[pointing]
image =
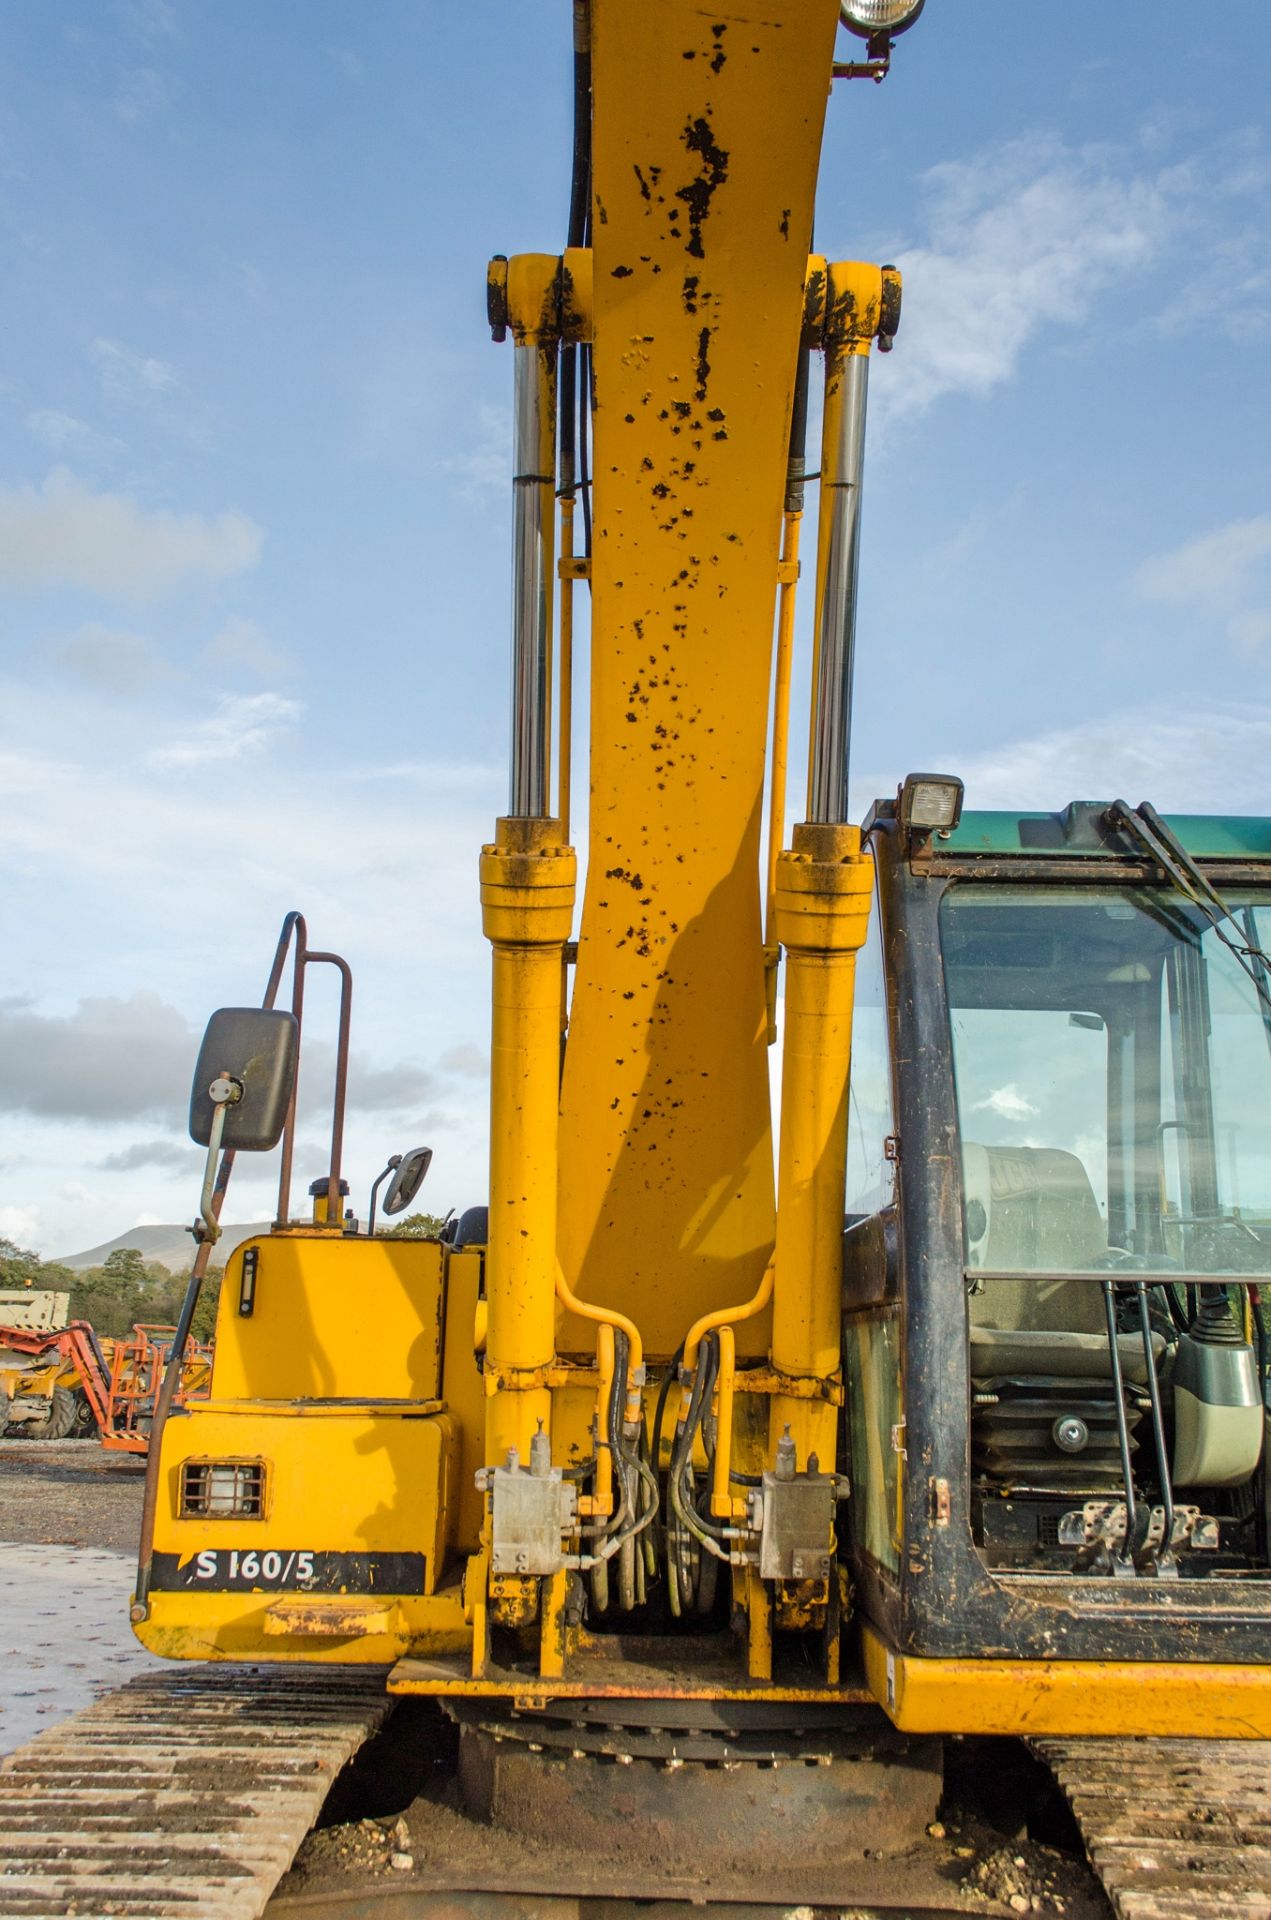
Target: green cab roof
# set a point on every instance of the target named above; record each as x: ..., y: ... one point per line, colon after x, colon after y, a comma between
x: 1079, y: 830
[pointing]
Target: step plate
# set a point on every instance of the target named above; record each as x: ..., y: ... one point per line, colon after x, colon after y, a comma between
x: 185, y: 1792
x: 628, y: 1667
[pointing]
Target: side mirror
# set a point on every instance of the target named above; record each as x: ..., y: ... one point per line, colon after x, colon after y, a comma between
x: 408, y: 1177
x: 257, y: 1047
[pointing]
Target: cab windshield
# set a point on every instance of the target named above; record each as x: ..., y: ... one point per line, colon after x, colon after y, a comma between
x: 1112, y: 1061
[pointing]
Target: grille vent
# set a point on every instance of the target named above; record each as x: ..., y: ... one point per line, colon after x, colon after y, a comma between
x: 223, y: 1490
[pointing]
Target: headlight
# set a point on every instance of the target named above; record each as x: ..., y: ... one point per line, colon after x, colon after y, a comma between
x: 868, y: 17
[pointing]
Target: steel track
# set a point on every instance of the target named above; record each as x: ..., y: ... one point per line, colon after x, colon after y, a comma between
x: 1173, y: 1828
x: 183, y: 1793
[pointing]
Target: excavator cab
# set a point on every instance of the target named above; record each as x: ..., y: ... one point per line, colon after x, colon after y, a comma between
x: 1059, y: 1219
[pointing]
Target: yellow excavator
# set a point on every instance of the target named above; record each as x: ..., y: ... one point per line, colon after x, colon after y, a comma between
x: 935, y: 1406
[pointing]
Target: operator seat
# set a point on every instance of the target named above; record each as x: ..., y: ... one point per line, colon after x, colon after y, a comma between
x: 1033, y: 1210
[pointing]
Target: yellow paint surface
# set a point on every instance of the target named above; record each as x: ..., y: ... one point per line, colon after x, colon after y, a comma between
x: 1034, y: 1697
x: 703, y: 190
x: 360, y: 1480
x: 334, y: 1318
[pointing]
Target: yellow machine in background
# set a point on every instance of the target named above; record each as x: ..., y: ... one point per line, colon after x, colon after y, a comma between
x: 634, y: 1429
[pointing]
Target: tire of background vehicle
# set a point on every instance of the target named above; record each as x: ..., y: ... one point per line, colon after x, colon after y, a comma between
x: 62, y: 1419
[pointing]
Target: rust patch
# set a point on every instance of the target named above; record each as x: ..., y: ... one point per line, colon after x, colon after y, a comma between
x: 813, y: 306
x: 702, y: 365
x: 699, y: 138
x: 840, y: 316
x: 569, y: 318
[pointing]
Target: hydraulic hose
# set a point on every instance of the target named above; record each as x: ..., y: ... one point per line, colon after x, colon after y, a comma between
x: 682, y: 1462
x: 608, y: 1316
x: 626, y: 1523
x: 613, y: 1440
x: 725, y: 1316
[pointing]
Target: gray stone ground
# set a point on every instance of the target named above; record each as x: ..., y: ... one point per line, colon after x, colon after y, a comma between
x: 68, y: 1515
x: 64, y: 1634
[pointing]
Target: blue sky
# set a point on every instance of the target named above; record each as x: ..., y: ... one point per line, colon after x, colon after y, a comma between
x: 254, y: 518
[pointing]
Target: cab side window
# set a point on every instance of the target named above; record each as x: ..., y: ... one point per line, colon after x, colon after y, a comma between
x: 870, y: 1117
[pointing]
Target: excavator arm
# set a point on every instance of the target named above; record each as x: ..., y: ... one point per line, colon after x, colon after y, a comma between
x: 648, y: 1192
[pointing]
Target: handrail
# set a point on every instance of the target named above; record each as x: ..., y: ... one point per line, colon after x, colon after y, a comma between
x: 294, y: 928
x: 1122, y: 1276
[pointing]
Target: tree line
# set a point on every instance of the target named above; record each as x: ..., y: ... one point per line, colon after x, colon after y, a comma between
x: 127, y: 1288
x: 124, y: 1289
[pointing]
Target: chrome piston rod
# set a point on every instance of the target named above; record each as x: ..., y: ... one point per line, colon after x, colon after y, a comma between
x: 837, y: 565
x: 533, y: 559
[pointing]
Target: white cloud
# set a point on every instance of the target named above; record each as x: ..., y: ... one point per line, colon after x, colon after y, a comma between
x: 1242, y: 314
x: 484, y: 472
x: 277, y: 828
x: 65, y: 534
x: 1222, y: 571
x: 1188, y: 759
x: 243, y: 645
x: 178, y: 883
x: 1223, y: 285
x: 1025, y: 236
x: 20, y: 1224
x: 469, y: 1061
x: 112, y: 1058
x: 109, y: 658
x: 1250, y: 631
x: 66, y: 433
x: 143, y: 92
x: 1217, y: 566
x: 240, y: 724
x: 148, y: 19
x: 126, y: 375
x: 169, y: 1156
x: 120, y: 1058
x: 349, y: 63
x: 1007, y: 1102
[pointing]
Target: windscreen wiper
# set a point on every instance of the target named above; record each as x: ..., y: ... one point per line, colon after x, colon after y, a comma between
x: 1144, y: 824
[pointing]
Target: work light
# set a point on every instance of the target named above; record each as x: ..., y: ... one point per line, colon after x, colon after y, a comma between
x: 930, y: 803
x: 870, y: 17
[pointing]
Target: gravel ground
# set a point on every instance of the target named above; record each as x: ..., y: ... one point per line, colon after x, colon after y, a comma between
x: 1003, y: 1844
x: 71, y: 1493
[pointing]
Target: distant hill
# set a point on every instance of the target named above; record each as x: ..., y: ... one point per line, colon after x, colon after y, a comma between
x: 172, y: 1247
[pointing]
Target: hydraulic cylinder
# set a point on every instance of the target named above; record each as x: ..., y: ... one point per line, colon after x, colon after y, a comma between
x: 528, y: 881
x: 822, y: 913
